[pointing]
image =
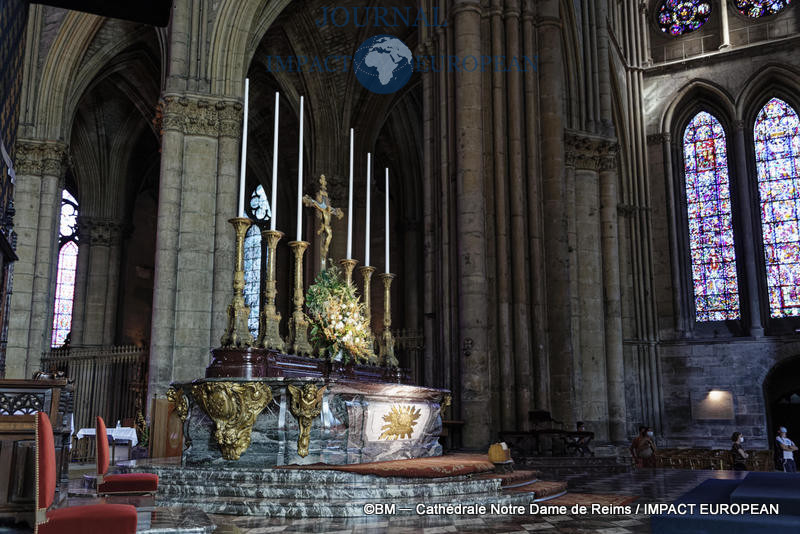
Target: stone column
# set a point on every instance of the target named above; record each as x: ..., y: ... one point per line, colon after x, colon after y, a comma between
x: 615, y: 362
x: 166, y: 256
x: 230, y: 138
x: 559, y: 314
x: 473, y: 291
x: 589, y: 273
x: 725, y: 32
x: 743, y: 185
x: 40, y: 176
x: 94, y: 313
x: 196, y: 168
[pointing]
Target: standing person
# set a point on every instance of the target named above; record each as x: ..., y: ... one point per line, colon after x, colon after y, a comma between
x: 643, y: 448
x: 738, y: 454
x: 787, y: 446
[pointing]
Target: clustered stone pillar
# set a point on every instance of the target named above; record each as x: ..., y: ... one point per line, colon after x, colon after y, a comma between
x: 41, y: 167
x: 192, y: 272
x: 94, y: 315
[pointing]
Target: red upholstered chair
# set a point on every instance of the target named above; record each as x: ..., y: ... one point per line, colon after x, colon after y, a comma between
x: 89, y: 519
x: 123, y: 483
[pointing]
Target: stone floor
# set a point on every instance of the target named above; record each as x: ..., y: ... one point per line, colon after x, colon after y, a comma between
x: 657, y: 485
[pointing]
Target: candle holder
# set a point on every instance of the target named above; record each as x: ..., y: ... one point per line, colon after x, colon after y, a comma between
x: 348, y: 265
x: 366, y: 273
x: 237, y: 333
x: 298, y: 326
x: 269, y: 336
x: 387, y: 356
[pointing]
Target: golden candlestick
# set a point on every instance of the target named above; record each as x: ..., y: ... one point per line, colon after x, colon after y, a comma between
x: 269, y: 320
x: 348, y: 266
x: 366, y: 274
x: 298, y: 326
x: 387, y: 356
x: 237, y: 333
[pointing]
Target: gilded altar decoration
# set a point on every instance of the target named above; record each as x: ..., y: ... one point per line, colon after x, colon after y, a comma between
x: 237, y: 333
x: 339, y: 322
x: 234, y: 407
x: 306, y: 404
x: 324, y: 212
x: 400, y: 422
x: 177, y: 397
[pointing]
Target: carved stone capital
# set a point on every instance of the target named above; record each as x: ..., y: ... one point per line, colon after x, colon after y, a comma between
x: 658, y: 138
x: 98, y: 231
x: 200, y: 116
x: 234, y: 407
x: 40, y: 158
x: 590, y: 152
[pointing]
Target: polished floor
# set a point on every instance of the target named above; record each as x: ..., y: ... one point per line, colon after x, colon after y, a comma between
x: 647, y: 486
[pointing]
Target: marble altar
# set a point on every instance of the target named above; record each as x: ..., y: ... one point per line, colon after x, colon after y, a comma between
x: 274, y: 421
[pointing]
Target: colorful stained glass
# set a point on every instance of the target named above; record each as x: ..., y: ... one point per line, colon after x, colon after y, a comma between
x: 761, y: 8
x: 67, y: 266
x: 777, y: 140
x: 678, y: 17
x: 65, y: 289
x: 708, y: 203
x: 252, y: 276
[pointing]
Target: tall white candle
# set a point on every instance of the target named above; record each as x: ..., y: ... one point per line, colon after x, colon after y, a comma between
x: 243, y: 168
x: 387, y: 221
x: 300, y: 179
x: 366, y: 229
x: 350, y: 204
x: 274, y: 202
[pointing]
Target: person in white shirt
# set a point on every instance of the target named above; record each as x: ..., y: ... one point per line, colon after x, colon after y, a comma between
x: 787, y: 446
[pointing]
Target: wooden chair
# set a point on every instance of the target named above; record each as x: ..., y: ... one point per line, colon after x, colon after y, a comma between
x: 88, y: 519
x: 127, y: 483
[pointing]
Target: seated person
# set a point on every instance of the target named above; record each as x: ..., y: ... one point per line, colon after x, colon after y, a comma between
x: 738, y: 454
x: 643, y: 448
x: 581, y: 443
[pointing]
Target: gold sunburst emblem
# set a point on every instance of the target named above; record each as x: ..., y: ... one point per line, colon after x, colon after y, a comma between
x: 400, y: 422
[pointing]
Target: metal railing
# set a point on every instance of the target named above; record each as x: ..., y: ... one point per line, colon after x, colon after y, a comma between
x: 109, y: 381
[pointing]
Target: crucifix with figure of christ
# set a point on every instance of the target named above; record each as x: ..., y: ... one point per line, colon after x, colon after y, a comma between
x: 324, y: 211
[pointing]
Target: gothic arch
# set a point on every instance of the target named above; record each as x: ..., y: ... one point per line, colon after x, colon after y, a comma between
x: 770, y: 81
x: 691, y: 96
x: 67, y: 74
x: 234, y: 40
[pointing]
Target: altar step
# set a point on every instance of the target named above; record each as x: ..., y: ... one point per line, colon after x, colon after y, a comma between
x: 299, y: 493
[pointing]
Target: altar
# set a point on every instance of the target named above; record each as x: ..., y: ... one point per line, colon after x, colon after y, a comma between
x: 276, y: 421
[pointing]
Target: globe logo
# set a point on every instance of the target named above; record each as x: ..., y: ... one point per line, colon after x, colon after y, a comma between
x: 383, y: 64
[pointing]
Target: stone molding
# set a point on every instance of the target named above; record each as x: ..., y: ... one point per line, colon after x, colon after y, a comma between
x: 40, y: 158
x: 588, y: 152
x: 99, y: 231
x: 200, y: 116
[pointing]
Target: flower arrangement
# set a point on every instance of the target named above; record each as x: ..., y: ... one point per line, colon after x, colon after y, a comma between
x: 338, y: 318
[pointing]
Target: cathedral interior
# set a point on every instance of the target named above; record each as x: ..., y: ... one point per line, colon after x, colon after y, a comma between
x: 591, y: 208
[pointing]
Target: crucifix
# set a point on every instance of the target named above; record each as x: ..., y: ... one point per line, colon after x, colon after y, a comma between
x: 324, y: 211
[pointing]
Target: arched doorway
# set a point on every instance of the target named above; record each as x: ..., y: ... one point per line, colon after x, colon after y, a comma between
x: 782, y: 397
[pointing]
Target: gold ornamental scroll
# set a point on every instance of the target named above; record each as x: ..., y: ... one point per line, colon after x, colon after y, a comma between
x: 306, y: 404
x: 234, y: 407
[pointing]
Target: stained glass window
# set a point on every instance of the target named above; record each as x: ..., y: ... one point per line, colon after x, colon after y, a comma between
x: 677, y: 17
x: 777, y: 148
x: 67, y: 265
x: 252, y: 276
x: 708, y: 202
x: 761, y: 8
x: 260, y: 211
